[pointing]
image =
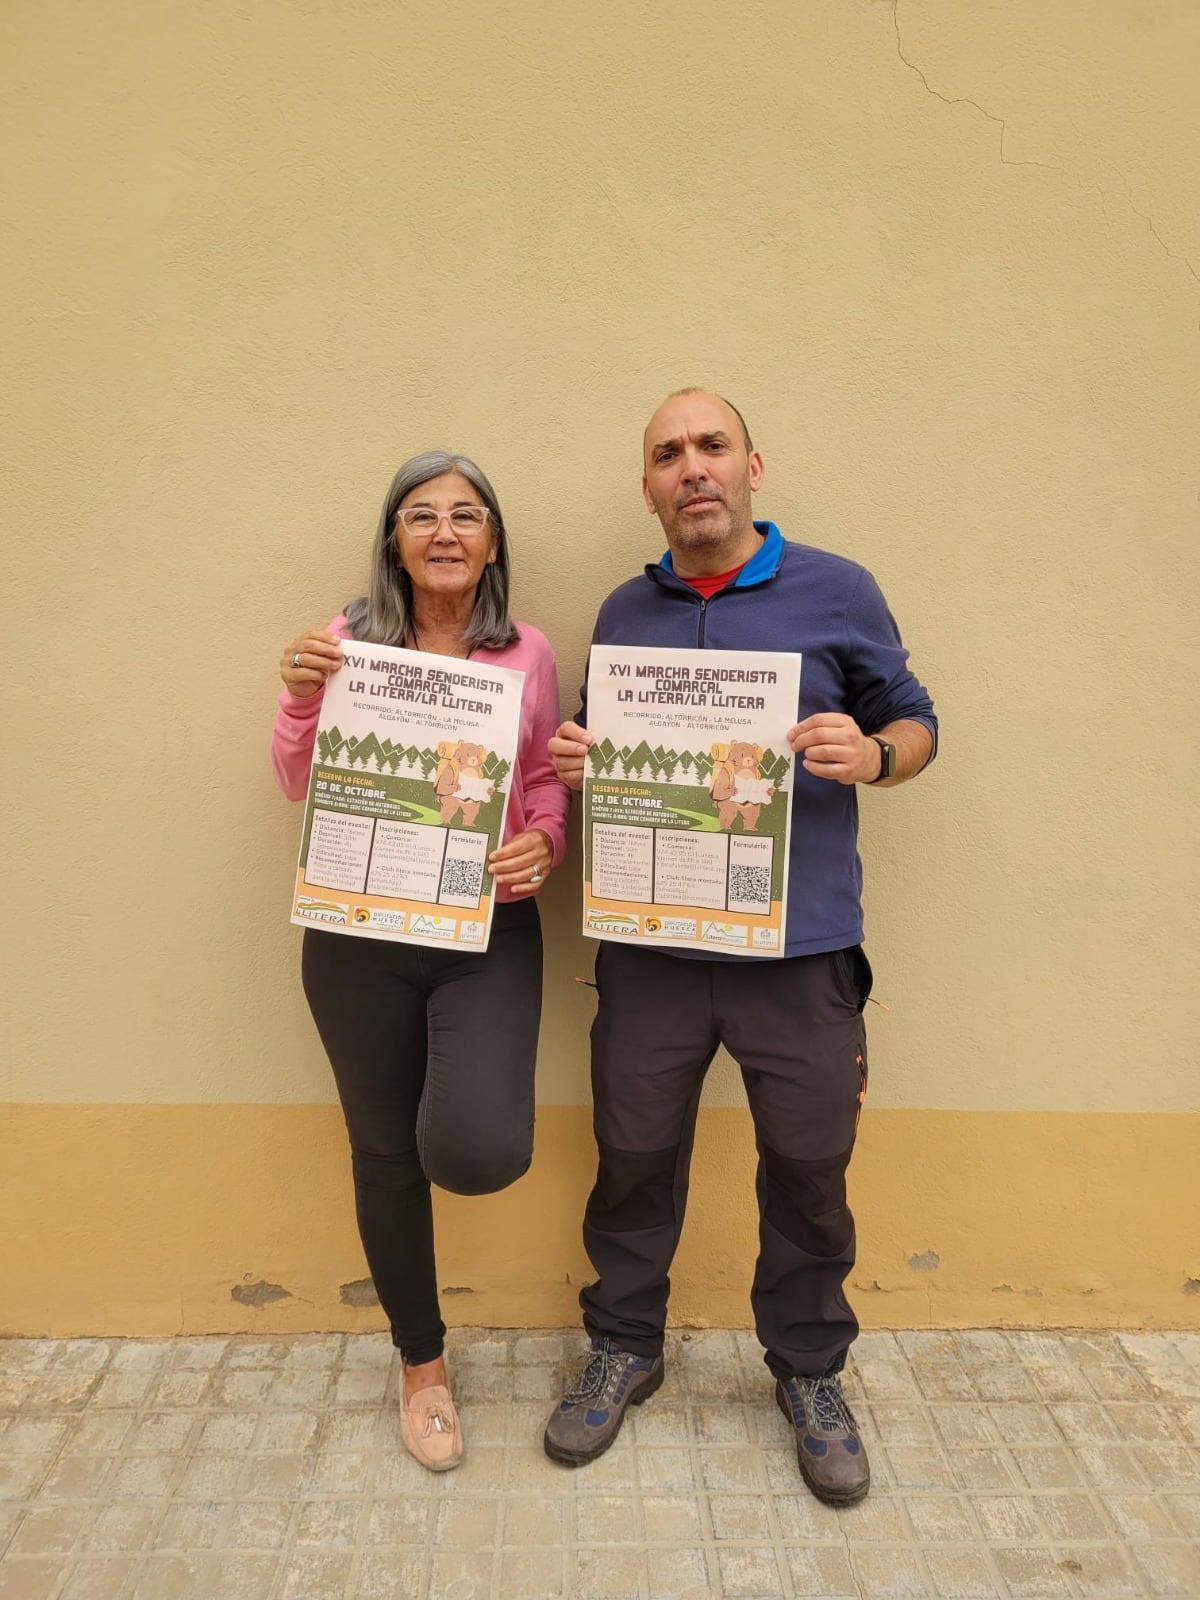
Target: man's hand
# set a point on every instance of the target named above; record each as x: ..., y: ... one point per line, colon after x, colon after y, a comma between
x: 834, y: 746
x: 568, y: 751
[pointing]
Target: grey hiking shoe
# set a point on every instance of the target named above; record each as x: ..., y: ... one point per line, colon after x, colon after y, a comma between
x: 593, y: 1408
x: 832, y: 1457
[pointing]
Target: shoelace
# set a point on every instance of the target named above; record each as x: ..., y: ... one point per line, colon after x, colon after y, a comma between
x: 829, y: 1403
x: 603, y: 1367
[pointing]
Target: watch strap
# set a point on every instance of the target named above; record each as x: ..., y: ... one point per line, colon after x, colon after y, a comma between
x: 887, y: 758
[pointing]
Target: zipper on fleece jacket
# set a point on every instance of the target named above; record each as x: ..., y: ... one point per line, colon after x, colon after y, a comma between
x: 760, y: 569
x: 704, y: 605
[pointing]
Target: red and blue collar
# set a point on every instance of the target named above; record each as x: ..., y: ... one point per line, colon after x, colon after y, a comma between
x: 763, y: 564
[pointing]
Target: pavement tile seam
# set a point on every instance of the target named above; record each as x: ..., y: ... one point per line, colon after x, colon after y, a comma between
x: 125, y: 1436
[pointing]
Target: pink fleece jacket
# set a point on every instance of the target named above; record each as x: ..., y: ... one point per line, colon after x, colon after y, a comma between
x: 537, y: 799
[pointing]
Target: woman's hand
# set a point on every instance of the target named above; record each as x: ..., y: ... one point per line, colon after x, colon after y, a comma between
x: 308, y: 661
x: 524, y: 863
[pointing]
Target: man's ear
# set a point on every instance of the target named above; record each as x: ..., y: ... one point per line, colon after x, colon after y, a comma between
x: 757, y: 469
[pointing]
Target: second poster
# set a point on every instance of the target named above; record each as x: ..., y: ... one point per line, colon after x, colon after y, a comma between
x: 687, y: 797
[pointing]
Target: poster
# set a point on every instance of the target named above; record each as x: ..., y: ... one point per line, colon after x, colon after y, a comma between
x: 407, y: 798
x: 687, y: 797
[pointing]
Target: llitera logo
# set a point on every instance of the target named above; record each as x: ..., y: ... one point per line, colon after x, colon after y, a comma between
x: 611, y: 922
x: 322, y: 910
x: 725, y: 933
x: 435, y: 927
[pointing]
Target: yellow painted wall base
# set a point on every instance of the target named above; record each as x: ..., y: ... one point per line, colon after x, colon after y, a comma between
x: 121, y: 1219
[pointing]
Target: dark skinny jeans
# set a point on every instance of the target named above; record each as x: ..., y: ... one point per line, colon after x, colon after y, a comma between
x: 433, y: 1052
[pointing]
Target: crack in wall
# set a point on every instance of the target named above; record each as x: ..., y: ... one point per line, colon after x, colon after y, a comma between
x: 1149, y: 221
x: 1063, y: 175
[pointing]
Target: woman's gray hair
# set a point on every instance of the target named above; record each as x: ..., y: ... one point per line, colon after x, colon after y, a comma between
x: 384, y: 614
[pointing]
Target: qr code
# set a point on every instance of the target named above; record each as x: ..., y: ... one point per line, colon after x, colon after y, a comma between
x: 461, y: 879
x: 749, y: 886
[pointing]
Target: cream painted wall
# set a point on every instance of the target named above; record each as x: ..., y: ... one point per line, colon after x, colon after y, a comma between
x: 945, y: 256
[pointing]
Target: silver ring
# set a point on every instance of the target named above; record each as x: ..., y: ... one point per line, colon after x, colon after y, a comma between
x: 536, y: 875
x: 296, y: 659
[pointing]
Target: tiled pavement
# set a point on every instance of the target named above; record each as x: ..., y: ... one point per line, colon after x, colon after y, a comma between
x: 1005, y: 1464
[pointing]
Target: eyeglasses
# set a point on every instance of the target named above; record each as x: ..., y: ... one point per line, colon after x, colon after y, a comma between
x: 424, y: 521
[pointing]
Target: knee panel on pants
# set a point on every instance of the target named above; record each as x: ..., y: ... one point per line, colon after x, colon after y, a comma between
x: 806, y: 1201
x: 634, y: 1189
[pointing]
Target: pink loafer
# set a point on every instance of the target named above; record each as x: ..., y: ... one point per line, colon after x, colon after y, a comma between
x: 430, y: 1428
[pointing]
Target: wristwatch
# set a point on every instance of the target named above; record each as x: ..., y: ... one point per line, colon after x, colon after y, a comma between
x: 887, y: 763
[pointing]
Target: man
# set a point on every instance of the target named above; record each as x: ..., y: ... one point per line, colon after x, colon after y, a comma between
x: 794, y: 1024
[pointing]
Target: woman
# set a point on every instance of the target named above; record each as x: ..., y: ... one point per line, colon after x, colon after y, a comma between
x: 433, y: 1050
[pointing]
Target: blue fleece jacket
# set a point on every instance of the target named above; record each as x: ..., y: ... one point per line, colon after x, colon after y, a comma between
x: 793, y: 597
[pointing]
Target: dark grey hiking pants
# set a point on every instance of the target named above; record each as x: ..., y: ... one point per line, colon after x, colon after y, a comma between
x: 795, y: 1027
